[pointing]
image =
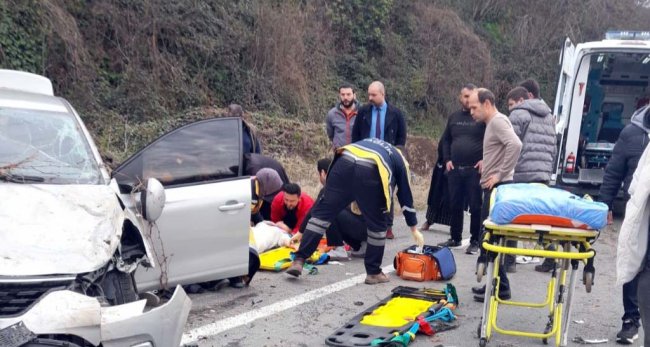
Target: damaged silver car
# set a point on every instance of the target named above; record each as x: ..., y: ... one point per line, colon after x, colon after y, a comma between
x: 71, y: 237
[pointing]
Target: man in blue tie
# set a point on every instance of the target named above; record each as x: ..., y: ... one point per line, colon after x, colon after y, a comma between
x: 381, y: 120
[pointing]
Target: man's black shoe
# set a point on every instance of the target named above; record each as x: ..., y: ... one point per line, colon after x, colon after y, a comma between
x: 546, y: 266
x: 504, y: 294
x: 451, y: 243
x: 478, y: 290
x: 629, y: 332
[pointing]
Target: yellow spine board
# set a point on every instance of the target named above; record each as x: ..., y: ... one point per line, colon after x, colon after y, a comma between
x: 397, y: 312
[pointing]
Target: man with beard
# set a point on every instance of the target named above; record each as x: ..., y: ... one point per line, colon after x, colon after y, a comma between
x: 381, y: 120
x: 340, y: 119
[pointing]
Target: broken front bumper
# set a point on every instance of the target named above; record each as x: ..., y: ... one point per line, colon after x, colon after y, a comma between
x: 65, y: 312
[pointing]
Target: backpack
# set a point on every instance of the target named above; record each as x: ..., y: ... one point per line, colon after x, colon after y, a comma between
x: 433, y: 264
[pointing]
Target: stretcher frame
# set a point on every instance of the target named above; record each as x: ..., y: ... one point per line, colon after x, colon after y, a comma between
x: 573, y: 246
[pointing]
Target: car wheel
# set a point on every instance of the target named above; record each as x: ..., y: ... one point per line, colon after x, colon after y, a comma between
x: 119, y: 288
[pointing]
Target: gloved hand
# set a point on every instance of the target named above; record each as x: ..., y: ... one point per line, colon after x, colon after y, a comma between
x: 418, y: 237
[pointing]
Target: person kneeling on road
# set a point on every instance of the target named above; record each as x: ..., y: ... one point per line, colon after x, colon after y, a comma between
x: 366, y: 171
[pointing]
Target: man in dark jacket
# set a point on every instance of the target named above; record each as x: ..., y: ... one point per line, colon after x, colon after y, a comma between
x: 367, y: 172
x: 621, y: 166
x: 378, y: 119
x: 462, y: 151
x: 383, y: 121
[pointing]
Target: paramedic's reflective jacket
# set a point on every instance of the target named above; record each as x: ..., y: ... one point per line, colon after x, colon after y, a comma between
x: 393, y: 170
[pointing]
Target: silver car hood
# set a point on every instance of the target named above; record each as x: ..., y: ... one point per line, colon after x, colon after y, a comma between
x: 57, y: 229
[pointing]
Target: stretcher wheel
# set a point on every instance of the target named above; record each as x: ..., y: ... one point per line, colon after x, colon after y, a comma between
x: 480, y: 271
x: 482, y: 342
x: 549, y: 327
x: 588, y: 279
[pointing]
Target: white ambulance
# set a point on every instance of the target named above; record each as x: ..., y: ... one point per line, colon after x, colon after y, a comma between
x: 600, y: 86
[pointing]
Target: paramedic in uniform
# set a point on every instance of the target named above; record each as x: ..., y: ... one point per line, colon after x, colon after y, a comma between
x: 501, y: 148
x: 366, y: 171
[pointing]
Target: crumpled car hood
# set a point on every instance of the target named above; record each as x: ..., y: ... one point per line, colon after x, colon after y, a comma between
x: 57, y: 229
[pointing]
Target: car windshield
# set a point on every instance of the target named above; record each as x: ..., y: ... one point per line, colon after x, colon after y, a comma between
x: 45, y: 147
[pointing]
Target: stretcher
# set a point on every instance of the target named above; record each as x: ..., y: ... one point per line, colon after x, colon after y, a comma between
x: 572, y: 245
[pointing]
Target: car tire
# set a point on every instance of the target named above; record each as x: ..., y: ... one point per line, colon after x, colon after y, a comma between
x: 50, y: 343
x: 119, y: 288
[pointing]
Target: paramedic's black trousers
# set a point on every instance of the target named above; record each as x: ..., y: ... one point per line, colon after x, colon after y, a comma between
x: 348, y: 181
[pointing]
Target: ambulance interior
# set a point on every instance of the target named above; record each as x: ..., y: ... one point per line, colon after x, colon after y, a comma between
x: 617, y: 85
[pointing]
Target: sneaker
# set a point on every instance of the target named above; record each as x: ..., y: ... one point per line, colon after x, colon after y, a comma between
x: 472, y: 248
x: 389, y: 234
x: 546, y: 266
x: 295, y: 269
x: 338, y: 253
x: 504, y: 294
x: 629, y: 332
x: 361, y: 252
x: 376, y: 279
x: 451, y: 243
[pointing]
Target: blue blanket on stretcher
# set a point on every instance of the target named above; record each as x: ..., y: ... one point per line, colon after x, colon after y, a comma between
x: 545, y: 205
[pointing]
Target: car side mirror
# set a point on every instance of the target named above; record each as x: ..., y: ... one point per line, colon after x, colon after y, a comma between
x: 152, y: 200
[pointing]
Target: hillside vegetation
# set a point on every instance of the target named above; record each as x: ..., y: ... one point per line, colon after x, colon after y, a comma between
x: 136, y: 69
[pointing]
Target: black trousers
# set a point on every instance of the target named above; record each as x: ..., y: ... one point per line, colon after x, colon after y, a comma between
x: 630, y: 300
x: 485, y: 213
x: 464, y: 185
x: 348, y: 181
x: 347, y: 227
x: 643, y: 279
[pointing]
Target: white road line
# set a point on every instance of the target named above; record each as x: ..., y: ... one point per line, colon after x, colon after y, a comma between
x: 250, y: 316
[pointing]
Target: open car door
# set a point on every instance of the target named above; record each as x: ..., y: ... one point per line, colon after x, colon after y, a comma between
x: 563, y: 96
x: 202, y: 234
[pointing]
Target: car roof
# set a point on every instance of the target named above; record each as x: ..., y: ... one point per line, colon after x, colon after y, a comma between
x: 32, y: 101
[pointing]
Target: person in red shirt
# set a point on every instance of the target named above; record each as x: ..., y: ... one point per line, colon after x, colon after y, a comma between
x: 290, y: 207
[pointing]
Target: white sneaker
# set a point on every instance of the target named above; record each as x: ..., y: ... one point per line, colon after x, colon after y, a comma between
x: 338, y: 253
x: 361, y: 252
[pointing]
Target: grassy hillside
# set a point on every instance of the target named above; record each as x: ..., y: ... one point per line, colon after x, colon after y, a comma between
x: 135, y: 69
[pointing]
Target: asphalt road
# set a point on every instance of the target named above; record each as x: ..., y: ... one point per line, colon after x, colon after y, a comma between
x: 278, y: 311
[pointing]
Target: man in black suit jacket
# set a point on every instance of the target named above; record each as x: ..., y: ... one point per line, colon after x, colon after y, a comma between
x: 392, y: 125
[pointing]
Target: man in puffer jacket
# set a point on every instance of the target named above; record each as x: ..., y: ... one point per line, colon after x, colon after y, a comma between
x: 628, y: 149
x: 534, y: 124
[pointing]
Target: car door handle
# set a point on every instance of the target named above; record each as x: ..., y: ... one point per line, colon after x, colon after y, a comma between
x: 232, y: 207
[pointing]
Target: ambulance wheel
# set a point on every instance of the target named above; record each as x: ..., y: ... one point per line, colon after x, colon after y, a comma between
x: 482, y: 342
x: 588, y: 278
x: 480, y: 271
